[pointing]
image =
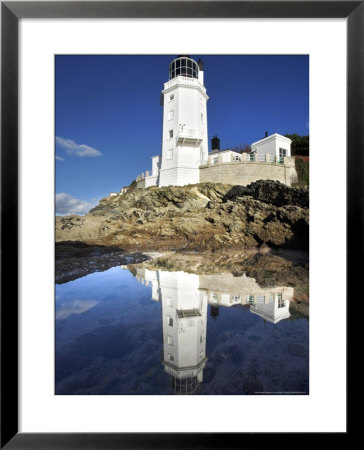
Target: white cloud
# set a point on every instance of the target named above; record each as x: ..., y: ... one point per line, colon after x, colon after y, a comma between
x: 74, y: 149
x: 66, y: 204
x: 74, y: 307
x: 58, y: 158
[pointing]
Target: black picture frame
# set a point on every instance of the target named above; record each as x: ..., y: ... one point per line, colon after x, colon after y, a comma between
x: 11, y: 12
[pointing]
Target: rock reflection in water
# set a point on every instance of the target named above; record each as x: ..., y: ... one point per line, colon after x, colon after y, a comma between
x: 218, y: 324
x: 184, y: 298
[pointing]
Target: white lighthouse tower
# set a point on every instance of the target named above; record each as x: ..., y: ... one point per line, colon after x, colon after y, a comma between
x: 184, y: 138
x: 184, y: 319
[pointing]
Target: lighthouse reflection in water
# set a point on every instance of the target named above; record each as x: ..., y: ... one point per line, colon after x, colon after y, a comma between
x: 184, y: 298
x: 146, y: 329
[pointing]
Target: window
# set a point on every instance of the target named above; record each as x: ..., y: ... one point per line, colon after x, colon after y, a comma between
x: 250, y: 298
x: 216, y: 160
x: 170, y: 115
x: 282, y: 152
x: 170, y: 153
x: 185, y: 67
x: 281, y: 302
x: 236, y: 298
x: 237, y: 158
x: 170, y: 357
x: 171, y: 97
x: 170, y: 134
x: 170, y: 340
x: 170, y: 321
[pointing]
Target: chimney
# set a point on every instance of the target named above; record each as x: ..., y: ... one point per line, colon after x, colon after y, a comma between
x: 266, y: 134
x: 215, y: 143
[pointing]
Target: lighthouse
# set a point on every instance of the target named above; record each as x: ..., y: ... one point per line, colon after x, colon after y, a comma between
x: 184, y: 133
x: 184, y: 159
x: 184, y: 319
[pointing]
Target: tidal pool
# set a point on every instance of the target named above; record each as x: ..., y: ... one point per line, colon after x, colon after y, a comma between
x: 143, y: 329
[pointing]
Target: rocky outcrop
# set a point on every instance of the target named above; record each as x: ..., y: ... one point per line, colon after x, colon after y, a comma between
x: 205, y: 216
x: 269, y: 191
x: 76, y: 259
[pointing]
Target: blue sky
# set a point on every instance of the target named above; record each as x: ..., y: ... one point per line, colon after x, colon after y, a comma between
x: 109, y: 118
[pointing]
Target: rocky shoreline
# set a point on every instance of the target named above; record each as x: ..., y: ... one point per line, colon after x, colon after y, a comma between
x: 76, y: 259
x: 268, y: 267
x: 206, y: 216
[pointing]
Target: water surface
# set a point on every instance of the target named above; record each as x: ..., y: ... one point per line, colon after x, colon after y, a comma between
x: 146, y: 330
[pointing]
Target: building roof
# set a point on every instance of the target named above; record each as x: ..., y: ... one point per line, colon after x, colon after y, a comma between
x: 222, y: 151
x: 272, y: 136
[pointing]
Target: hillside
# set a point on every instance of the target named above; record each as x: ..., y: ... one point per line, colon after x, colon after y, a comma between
x: 205, y: 216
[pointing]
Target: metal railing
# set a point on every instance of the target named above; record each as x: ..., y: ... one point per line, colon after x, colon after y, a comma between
x: 181, y: 80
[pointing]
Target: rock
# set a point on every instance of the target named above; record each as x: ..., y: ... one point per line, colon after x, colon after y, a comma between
x: 269, y: 191
x: 77, y: 259
x: 237, y: 191
x: 195, y: 217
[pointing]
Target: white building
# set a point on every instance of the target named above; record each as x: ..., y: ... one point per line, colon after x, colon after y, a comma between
x: 273, y: 308
x: 276, y: 145
x: 223, y: 156
x: 184, y: 318
x: 184, y: 135
x: 185, y: 158
x: 185, y: 297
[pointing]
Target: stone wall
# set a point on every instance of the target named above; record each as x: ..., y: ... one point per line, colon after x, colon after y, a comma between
x: 140, y: 184
x: 235, y: 172
x: 243, y: 173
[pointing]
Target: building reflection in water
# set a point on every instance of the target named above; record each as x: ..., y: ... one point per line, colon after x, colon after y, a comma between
x: 184, y: 298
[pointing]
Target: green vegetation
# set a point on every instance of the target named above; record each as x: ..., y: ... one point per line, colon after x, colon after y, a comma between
x: 300, y: 144
x: 302, y: 168
x: 132, y: 185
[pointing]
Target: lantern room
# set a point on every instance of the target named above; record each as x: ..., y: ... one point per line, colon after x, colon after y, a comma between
x: 184, y: 66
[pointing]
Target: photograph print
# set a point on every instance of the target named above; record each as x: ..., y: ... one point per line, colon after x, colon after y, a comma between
x: 182, y: 224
